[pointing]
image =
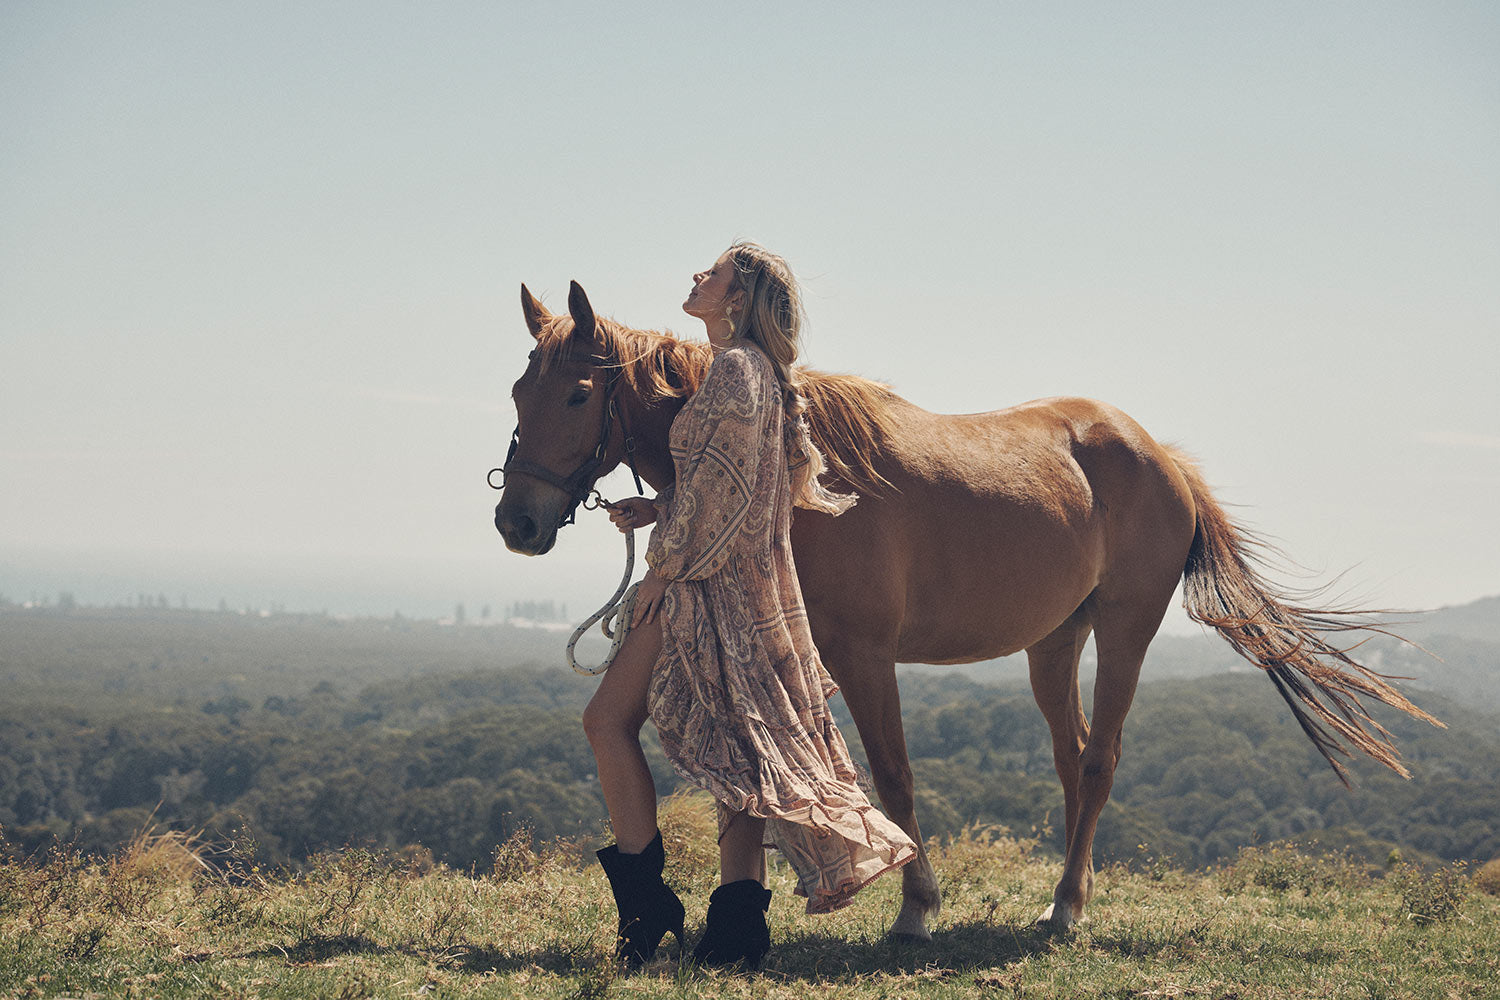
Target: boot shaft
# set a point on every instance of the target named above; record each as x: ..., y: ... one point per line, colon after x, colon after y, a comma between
x: 736, y: 932
x: 633, y: 876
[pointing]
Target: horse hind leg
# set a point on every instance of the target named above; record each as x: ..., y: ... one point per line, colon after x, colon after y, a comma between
x: 1054, y: 683
x: 1122, y: 635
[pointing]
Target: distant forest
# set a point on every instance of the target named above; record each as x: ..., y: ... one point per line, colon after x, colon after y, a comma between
x: 301, y: 734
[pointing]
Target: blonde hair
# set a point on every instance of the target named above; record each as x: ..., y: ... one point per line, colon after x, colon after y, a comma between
x: 772, y: 319
x: 773, y: 314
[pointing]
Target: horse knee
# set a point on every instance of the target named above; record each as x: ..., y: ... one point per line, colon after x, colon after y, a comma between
x: 1097, y: 763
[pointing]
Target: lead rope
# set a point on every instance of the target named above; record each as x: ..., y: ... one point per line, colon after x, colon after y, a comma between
x: 614, y: 616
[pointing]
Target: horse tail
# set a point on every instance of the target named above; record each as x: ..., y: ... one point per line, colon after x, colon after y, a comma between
x: 1294, y: 644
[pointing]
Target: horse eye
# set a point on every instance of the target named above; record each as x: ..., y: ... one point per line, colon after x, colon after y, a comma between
x: 578, y: 399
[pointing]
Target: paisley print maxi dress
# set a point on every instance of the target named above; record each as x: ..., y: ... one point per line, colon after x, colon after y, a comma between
x: 739, y: 695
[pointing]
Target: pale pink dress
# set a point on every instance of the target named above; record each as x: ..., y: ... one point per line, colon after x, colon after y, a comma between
x: 740, y: 696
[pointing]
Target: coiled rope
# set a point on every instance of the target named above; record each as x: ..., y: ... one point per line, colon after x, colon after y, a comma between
x: 614, y: 616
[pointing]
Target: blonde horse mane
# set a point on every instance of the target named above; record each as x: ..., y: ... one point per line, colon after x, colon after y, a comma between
x: 849, y: 416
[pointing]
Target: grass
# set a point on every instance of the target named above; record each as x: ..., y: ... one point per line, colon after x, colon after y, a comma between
x: 156, y: 921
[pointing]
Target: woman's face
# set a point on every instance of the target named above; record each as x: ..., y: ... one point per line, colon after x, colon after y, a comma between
x: 714, y: 291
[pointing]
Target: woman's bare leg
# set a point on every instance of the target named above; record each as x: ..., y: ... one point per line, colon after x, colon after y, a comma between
x: 742, y: 854
x: 613, y: 721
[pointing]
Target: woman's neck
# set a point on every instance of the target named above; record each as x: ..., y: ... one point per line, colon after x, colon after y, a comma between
x: 720, y: 334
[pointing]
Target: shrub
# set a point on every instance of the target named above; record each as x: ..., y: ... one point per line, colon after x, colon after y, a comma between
x: 1432, y: 897
x: 1284, y: 868
x: 516, y: 859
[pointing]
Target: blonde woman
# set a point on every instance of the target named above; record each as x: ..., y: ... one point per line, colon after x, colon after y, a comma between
x: 719, y: 654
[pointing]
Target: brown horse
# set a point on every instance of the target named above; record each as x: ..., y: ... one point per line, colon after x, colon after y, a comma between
x: 976, y: 536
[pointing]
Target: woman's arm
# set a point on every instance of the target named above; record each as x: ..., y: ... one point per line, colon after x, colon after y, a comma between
x: 712, y: 493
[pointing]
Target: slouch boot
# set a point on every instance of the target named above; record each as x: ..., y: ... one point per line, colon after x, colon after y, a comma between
x: 648, y: 908
x: 736, y: 930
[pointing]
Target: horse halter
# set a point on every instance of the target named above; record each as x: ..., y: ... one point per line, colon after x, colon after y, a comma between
x: 579, y: 485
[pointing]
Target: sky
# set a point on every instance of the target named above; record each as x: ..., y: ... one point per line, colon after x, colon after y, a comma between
x: 259, y: 263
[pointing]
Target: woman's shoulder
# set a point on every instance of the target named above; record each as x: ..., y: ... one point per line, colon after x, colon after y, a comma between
x: 744, y: 361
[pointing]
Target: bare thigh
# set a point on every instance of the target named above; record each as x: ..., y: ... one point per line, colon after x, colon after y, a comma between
x: 620, y: 700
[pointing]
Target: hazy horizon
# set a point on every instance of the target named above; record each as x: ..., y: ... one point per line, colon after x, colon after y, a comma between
x: 378, y: 589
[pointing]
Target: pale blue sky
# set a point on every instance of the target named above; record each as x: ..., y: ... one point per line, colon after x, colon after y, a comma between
x: 259, y: 262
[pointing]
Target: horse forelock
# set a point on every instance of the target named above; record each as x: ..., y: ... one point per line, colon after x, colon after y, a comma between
x: 848, y: 416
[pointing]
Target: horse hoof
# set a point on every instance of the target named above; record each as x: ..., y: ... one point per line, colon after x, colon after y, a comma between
x: 1056, y: 919
x: 911, y: 925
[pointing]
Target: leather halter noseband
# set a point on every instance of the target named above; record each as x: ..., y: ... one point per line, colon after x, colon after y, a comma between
x: 580, y: 483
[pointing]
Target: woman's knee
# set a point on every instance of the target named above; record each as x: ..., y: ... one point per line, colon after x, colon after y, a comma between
x: 605, y: 723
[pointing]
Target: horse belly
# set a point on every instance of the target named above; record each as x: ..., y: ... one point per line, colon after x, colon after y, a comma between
x: 1005, y: 562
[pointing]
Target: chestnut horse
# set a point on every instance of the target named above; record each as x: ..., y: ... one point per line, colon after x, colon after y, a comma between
x: 975, y: 536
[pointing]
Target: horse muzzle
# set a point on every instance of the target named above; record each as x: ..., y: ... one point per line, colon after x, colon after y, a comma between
x: 525, y: 529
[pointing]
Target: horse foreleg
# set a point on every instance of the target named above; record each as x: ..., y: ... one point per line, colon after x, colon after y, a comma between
x: 1122, y: 645
x: 1054, y: 684
x: 868, y: 680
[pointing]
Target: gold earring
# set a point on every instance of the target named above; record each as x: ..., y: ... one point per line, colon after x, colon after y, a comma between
x: 729, y: 318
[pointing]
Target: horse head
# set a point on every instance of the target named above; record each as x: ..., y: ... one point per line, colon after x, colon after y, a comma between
x: 564, y: 425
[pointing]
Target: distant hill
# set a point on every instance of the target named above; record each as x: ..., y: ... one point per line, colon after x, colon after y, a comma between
x: 1457, y: 655
x: 167, y: 653
x: 1476, y: 620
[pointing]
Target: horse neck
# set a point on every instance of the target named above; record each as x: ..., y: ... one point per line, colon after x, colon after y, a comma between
x: 650, y: 420
x: 650, y: 423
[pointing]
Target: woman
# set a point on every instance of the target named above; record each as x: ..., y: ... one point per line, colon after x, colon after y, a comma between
x: 719, y: 653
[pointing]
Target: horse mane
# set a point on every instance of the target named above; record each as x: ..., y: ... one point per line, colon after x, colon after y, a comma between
x: 849, y: 417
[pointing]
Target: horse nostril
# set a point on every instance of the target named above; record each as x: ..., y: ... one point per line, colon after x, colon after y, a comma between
x: 525, y: 528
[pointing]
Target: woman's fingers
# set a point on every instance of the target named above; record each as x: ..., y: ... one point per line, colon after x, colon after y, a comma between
x: 630, y: 513
x: 646, y: 608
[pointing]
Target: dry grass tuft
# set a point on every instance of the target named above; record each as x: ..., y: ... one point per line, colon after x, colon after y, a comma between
x: 690, y: 834
x: 1487, y: 878
x: 176, y: 855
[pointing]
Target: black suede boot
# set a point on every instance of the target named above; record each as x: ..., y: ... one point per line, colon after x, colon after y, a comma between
x: 736, y: 932
x: 648, y: 908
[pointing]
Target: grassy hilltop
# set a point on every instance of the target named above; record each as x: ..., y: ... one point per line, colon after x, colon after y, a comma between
x: 155, y: 921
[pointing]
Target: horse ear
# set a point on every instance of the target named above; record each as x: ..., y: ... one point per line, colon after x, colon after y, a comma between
x: 536, y: 314
x: 582, y: 313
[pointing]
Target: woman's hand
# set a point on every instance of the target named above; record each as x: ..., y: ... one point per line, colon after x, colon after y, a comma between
x: 648, y: 598
x: 632, y: 513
